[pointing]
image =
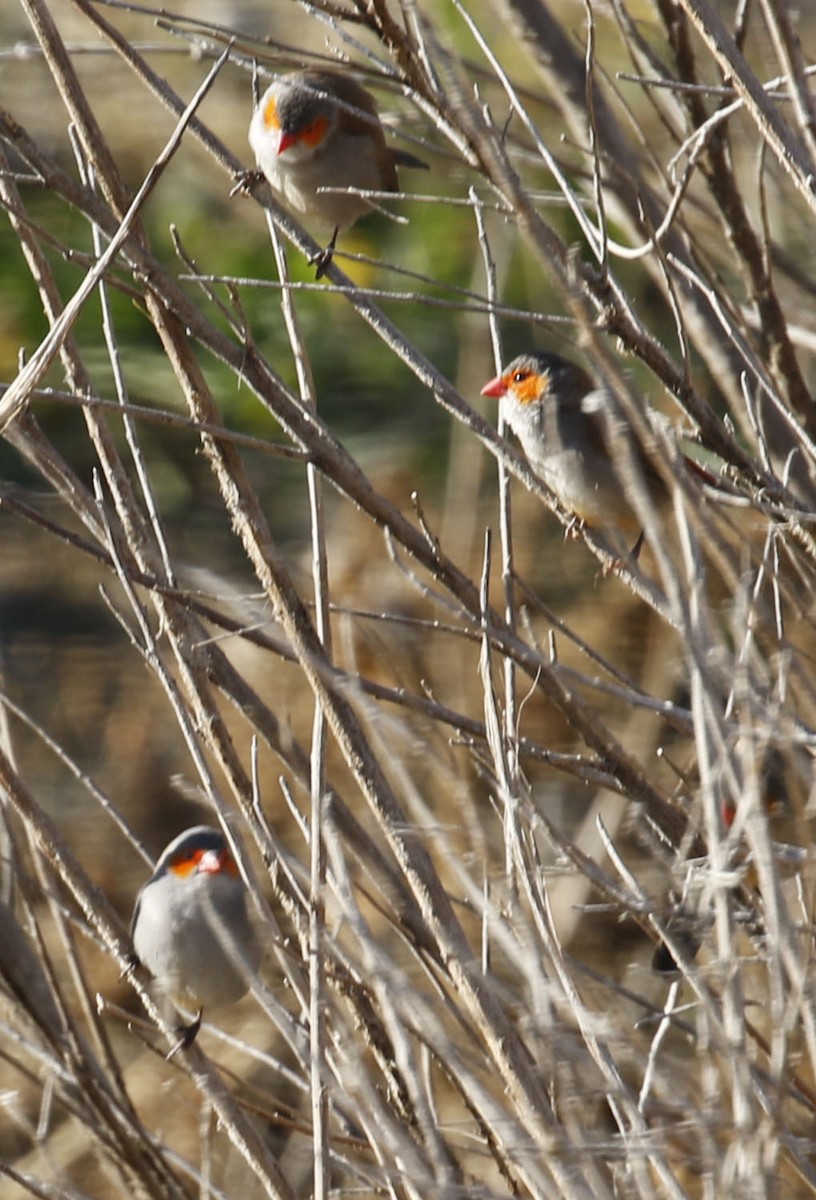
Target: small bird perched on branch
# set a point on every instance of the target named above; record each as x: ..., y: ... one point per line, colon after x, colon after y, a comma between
x: 568, y: 434
x: 191, y: 928
x: 317, y: 134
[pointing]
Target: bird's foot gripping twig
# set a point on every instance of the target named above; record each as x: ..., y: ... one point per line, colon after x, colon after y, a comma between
x: 187, y: 1035
x: 323, y: 259
x: 245, y: 181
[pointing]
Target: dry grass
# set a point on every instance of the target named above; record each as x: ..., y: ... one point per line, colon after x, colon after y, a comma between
x: 473, y: 782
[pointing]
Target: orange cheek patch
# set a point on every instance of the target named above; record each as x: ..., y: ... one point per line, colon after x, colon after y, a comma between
x: 270, y: 115
x: 185, y: 866
x: 530, y: 389
x: 209, y: 862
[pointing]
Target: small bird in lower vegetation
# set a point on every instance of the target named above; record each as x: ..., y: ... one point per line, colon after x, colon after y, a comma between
x: 316, y: 134
x: 567, y: 431
x: 191, y: 927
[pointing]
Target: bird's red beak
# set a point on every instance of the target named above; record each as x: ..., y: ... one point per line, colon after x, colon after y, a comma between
x: 285, y: 141
x: 214, y: 861
x: 497, y: 387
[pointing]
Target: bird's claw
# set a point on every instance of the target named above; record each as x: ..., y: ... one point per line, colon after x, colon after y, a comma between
x: 573, y: 530
x: 322, y: 261
x: 187, y: 1035
x: 132, y: 964
x: 245, y: 181
x: 623, y: 562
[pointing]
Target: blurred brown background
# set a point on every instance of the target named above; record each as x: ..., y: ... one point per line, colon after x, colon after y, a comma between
x: 694, y: 695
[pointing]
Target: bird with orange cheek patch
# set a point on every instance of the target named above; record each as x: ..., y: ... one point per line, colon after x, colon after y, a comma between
x: 567, y: 433
x: 318, y: 140
x: 191, y: 928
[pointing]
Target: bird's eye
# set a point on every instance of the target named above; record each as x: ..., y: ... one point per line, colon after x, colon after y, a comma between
x: 520, y: 376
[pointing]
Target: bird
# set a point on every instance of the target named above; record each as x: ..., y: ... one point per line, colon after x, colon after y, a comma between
x: 568, y: 433
x: 316, y: 133
x: 191, y: 927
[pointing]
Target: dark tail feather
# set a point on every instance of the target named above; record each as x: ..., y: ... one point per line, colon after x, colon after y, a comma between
x: 403, y: 158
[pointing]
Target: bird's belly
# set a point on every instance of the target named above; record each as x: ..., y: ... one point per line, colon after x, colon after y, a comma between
x: 301, y: 185
x: 194, y: 952
x: 593, y: 498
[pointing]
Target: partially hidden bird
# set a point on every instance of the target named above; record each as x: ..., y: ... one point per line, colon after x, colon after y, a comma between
x: 191, y: 927
x: 565, y: 427
x: 316, y: 134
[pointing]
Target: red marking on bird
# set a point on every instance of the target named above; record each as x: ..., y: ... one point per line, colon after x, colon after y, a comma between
x: 206, y: 862
x: 496, y: 387
x: 527, y: 386
x: 313, y: 133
